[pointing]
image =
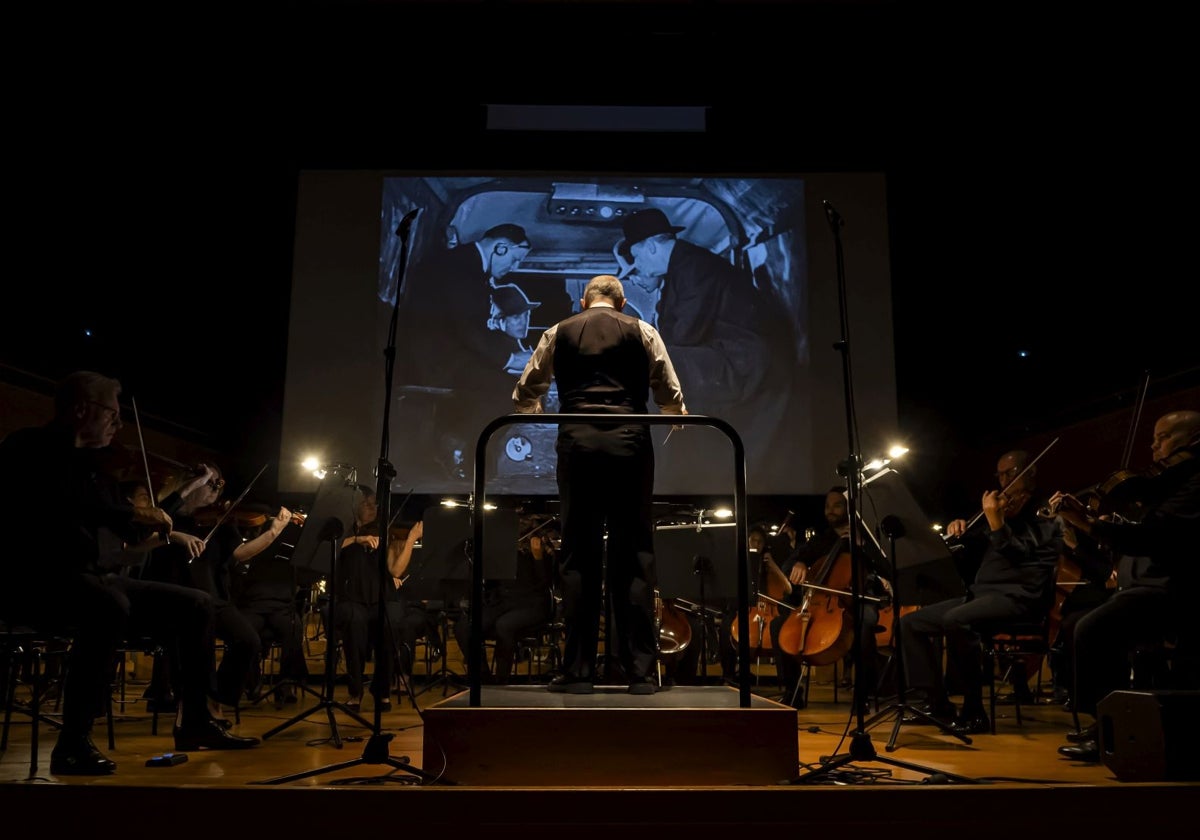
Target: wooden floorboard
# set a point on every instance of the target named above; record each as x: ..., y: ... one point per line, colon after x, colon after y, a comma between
x: 1015, y: 774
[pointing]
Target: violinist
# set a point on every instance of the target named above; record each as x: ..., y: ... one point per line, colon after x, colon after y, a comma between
x: 1017, y: 555
x: 51, y: 483
x: 199, y: 514
x: 356, y: 618
x: 815, y: 558
x: 515, y: 608
x: 266, y: 595
x: 1155, y: 608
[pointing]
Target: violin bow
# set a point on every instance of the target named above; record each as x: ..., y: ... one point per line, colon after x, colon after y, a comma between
x: 1138, y: 403
x: 146, y: 464
x: 399, y: 508
x: 1016, y: 478
x: 236, y: 502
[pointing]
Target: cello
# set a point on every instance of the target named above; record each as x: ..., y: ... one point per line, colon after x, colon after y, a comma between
x: 820, y: 631
x: 772, y: 587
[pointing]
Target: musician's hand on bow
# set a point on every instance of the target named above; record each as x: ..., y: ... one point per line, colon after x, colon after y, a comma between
x: 956, y: 528
x: 154, y: 517
x: 193, y: 545
x: 798, y: 574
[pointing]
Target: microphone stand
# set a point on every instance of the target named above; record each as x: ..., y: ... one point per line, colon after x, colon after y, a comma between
x: 376, y: 750
x: 861, y: 748
x: 893, y: 529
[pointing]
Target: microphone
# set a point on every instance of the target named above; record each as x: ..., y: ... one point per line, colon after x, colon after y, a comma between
x: 892, y: 527
x: 831, y: 214
x: 406, y: 222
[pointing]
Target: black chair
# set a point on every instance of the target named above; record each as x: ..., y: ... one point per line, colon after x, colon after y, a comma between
x: 145, y: 646
x: 1010, y: 647
x: 39, y: 660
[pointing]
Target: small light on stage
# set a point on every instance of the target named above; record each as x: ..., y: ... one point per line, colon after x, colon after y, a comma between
x: 937, y: 527
x: 313, y: 465
x: 722, y: 513
x: 877, y: 464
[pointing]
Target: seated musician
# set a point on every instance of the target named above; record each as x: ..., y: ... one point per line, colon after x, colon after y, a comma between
x: 356, y: 617
x: 811, y: 562
x: 225, y: 551
x: 265, y: 593
x: 52, y: 481
x: 513, y: 609
x: 1155, y: 607
x: 1017, y: 555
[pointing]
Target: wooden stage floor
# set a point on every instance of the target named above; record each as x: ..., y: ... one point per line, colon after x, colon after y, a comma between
x: 1015, y: 780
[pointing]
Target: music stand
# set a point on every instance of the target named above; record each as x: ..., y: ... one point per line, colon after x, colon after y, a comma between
x: 697, y: 558
x: 441, y: 570
x: 923, y: 566
x: 331, y: 518
x: 921, y: 563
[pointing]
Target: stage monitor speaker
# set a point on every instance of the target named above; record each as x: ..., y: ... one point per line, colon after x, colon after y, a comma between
x: 1150, y: 736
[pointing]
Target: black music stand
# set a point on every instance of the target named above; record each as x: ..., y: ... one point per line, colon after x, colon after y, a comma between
x: 331, y: 518
x: 921, y: 564
x: 697, y: 560
x: 440, y: 572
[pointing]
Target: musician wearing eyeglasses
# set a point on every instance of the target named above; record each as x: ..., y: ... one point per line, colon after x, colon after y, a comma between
x: 1017, y: 554
x: 54, y: 484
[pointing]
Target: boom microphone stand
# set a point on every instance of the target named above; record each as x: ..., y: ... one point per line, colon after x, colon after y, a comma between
x: 861, y: 748
x: 376, y: 750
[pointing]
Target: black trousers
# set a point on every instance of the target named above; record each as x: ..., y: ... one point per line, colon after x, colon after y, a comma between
x: 100, y: 612
x: 602, y: 492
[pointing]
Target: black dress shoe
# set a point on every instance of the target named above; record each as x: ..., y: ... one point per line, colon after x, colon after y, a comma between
x: 566, y: 684
x: 79, y: 757
x: 210, y: 735
x: 972, y: 724
x: 643, y: 685
x: 1088, y: 733
x: 1083, y: 751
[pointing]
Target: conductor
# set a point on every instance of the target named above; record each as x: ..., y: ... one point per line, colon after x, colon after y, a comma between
x: 605, y: 362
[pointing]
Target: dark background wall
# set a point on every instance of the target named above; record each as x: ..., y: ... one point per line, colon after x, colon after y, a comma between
x: 1030, y: 155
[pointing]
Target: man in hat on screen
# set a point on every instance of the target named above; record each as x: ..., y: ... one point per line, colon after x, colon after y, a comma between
x: 715, y: 325
x: 510, y: 316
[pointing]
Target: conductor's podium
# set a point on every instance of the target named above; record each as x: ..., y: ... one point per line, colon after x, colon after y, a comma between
x: 685, y: 736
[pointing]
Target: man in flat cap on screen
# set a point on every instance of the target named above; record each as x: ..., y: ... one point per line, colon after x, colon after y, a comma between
x: 716, y: 327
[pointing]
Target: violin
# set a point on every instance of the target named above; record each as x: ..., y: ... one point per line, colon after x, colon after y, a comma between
x: 1123, y: 496
x: 1013, y: 500
x: 248, y: 516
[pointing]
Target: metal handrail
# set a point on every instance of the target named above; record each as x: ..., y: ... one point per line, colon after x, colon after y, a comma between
x: 475, y: 645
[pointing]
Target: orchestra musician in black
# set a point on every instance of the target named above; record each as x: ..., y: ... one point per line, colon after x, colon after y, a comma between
x: 1156, y: 610
x: 1017, y: 555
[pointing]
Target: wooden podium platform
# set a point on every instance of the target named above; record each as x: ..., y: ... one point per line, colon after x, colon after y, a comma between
x: 684, y: 736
